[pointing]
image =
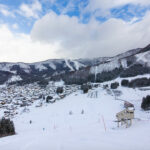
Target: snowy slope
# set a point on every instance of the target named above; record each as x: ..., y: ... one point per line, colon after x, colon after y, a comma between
x: 14, y: 78
x: 56, y: 67
x: 40, y: 66
x: 79, y: 65
x: 144, y: 58
x: 126, y: 54
x: 109, y: 66
x: 9, y: 66
x: 68, y: 65
x: 42, y: 70
x: 53, y: 128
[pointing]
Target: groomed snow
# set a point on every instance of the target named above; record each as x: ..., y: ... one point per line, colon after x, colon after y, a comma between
x: 78, y: 65
x: 68, y: 64
x: 144, y: 58
x: 40, y: 66
x: 109, y: 66
x: 52, y: 66
x: 14, y: 78
x: 24, y: 66
x: 53, y: 128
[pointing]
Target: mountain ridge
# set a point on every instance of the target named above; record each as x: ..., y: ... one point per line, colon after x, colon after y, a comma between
x: 53, y: 69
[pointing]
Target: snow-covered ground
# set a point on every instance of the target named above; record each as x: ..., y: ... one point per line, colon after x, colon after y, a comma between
x: 62, y: 126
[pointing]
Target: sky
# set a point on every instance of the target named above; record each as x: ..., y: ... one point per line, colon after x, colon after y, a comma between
x: 37, y: 30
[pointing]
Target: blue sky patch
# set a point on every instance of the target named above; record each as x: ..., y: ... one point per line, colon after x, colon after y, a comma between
x: 128, y: 12
x: 10, y: 12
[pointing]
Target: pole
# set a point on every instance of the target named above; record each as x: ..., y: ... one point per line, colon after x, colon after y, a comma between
x: 104, y: 123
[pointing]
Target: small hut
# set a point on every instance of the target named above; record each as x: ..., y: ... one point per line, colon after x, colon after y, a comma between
x: 128, y: 105
x: 126, y: 115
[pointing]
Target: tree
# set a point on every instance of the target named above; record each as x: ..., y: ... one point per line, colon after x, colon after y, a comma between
x: 48, y: 98
x: 146, y: 103
x: 6, y: 127
x: 114, y: 85
x: 140, y: 82
x: 59, y: 90
x: 85, y: 88
x: 125, y: 82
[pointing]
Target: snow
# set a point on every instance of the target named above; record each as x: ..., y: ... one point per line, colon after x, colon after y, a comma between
x: 53, y: 128
x: 24, y: 66
x: 95, y: 73
x: 144, y: 58
x: 109, y: 66
x: 50, y: 63
x: 52, y: 66
x: 59, y: 83
x: 6, y: 66
x: 14, y: 78
x: 78, y: 65
x: 126, y: 54
x: 124, y: 63
x: 119, y: 79
x: 68, y: 65
x: 40, y: 66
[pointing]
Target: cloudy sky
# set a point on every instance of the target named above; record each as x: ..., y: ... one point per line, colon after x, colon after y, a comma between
x: 36, y: 30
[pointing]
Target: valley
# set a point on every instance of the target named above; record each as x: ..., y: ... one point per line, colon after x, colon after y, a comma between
x: 72, y: 104
x: 91, y: 123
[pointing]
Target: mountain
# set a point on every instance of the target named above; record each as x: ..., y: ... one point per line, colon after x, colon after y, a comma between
x: 131, y: 63
x: 30, y: 72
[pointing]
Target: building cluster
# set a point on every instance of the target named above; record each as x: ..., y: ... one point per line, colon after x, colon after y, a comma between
x: 13, y: 98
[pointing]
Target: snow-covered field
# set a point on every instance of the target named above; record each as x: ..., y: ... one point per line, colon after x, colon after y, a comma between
x: 62, y: 126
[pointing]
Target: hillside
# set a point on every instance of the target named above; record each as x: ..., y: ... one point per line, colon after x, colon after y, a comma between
x: 47, y: 119
x: 54, y: 127
x: 129, y: 64
x: 56, y: 69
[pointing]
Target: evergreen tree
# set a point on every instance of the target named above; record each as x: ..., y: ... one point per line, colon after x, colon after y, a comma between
x: 6, y: 127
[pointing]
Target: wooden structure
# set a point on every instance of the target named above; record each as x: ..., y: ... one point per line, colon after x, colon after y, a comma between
x: 128, y: 105
x: 126, y: 115
x: 93, y: 94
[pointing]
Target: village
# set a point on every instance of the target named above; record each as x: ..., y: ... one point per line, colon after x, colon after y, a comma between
x: 67, y: 111
x: 17, y: 99
x: 12, y: 97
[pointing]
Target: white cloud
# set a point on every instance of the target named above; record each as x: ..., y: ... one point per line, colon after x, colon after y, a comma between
x: 20, y: 47
x: 15, y: 26
x: 70, y: 7
x: 30, y: 10
x: 102, y: 7
x: 5, y: 11
x: 56, y: 36
x: 92, y: 39
x: 107, y: 4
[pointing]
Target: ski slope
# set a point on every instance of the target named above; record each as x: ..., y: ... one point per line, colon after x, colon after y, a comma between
x: 62, y: 126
